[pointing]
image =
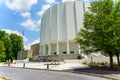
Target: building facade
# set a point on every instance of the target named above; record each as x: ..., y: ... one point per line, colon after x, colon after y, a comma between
x: 24, y: 54
x: 33, y: 53
x: 35, y: 49
x: 59, y: 27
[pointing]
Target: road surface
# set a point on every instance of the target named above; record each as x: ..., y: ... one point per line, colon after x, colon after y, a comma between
x: 30, y: 74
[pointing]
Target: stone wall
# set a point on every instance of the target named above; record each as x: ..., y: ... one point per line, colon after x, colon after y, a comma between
x: 24, y: 54
x: 56, y: 57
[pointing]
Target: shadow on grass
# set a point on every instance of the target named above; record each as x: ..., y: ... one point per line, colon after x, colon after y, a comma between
x: 96, y: 71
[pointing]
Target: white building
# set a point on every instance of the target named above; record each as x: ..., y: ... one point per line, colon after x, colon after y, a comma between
x: 59, y: 26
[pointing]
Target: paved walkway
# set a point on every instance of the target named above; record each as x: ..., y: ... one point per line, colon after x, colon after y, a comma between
x: 42, y: 65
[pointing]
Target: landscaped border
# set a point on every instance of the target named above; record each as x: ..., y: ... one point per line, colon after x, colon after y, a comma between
x: 4, y: 78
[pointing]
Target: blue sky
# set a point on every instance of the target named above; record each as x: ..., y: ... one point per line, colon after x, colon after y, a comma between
x: 17, y: 16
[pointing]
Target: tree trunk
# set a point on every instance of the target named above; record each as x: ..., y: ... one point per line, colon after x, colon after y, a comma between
x: 118, y: 60
x: 111, y: 60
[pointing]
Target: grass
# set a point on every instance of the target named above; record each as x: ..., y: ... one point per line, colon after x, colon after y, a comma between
x: 102, y: 65
x: 53, y: 63
x: 4, y: 78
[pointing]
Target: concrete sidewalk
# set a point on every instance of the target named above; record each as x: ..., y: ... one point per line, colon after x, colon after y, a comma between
x: 63, y: 65
x: 66, y: 64
x: 42, y: 65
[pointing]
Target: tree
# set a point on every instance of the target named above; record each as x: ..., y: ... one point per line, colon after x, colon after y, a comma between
x: 7, y: 43
x: 17, y: 44
x: 12, y: 43
x: 2, y: 51
x: 8, y: 51
x: 100, y: 32
x: 117, y: 37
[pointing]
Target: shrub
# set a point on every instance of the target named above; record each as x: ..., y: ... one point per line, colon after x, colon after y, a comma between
x: 84, y: 62
x: 30, y: 59
x: 79, y: 57
x: 4, y: 78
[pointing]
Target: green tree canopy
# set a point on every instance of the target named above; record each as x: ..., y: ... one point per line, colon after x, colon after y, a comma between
x: 17, y: 44
x: 101, y: 30
x: 2, y: 51
x: 7, y: 43
x: 12, y: 44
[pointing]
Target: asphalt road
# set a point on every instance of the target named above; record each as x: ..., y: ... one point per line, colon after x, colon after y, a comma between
x: 30, y: 74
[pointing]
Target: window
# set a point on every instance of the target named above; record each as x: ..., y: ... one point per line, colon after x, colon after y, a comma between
x: 54, y: 52
x: 64, y: 52
x: 71, y: 52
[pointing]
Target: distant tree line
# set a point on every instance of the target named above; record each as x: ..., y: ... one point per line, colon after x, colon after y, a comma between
x: 101, y: 30
x: 10, y: 44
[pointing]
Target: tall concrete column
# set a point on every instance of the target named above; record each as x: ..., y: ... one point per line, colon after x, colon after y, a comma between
x: 21, y: 55
x: 40, y: 51
x: 43, y: 50
x: 79, y: 51
x: 57, y: 47
x: 58, y: 28
x: 68, y: 49
x: 49, y: 53
x: 75, y: 18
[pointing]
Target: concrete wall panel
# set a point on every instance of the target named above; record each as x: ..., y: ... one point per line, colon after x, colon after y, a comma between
x: 61, y: 23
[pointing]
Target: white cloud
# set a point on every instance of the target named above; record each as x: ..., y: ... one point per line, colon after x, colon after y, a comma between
x: 28, y: 46
x: 50, y: 1
x: 1, y: 1
x: 35, y: 41
x: 67, y: 0
x: 44, y: 8
x: 31, y: 25
x: 26, y: 15
x: 20, y: 5
x: 15, y: 32
x: 39, y: 22
x: 74, y: 0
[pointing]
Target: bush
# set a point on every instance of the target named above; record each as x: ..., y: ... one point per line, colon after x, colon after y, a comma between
x: 102, y: 63
x: 79, y: 57
x: 84, y: 62
x: 30, y: 59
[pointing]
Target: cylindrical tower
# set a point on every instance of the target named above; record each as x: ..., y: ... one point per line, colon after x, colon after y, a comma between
x: 59, y: 26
